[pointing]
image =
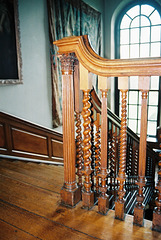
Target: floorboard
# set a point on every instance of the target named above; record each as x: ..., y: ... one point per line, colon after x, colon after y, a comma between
x: 10, y: 232
x: 30, y: 208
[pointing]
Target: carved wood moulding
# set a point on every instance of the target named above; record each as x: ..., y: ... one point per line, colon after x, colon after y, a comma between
x: 107, y: 67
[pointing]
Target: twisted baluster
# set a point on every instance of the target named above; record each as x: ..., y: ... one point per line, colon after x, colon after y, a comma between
x: 97, y: 154
x: 130, y: 159
x: 123, y: 146
x: 113, y: 156
x: 87, y: 195
x: 79, y: 151
x: 92, y: 148
x: 157, y: 211
x: 158, y: 187
x: 136, y: 161
x: 119, y: 205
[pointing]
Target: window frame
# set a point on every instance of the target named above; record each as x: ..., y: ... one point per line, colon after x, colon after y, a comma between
x: 117, y: 54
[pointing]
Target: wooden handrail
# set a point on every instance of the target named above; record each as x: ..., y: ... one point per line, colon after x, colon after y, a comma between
x: 106, y: 67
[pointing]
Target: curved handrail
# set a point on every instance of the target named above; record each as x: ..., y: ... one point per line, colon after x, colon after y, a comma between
x: 105, y: 67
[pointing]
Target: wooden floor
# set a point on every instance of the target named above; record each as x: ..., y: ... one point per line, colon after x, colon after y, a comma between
x: 30, y: 209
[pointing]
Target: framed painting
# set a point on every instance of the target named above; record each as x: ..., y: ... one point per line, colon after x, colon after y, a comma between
x: 10, y: 51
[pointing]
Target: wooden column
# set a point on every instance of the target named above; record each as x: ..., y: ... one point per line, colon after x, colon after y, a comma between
x: 103, y: 200
x: 120, y: 203
x: 70, y: 192
x: 87, y: 193
x: 139, y: 207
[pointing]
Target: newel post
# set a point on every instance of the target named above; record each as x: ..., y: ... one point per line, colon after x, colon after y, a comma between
x: 70, y: 192
x: 139, y: 207
x: 123, y: 85
x: 103, y: 200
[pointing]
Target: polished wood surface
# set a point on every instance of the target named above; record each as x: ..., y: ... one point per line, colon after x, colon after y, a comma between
x: 116, y: 154
x: 139, y: 207
x: 105, y: 67
x: 103, y: 200
x: 70, y: 192
x: 24, y: 139
x: 97, y: 150
x: 79, y: 150
x: 120, y: 203
x: 30, y: 209
x: 87, y: 194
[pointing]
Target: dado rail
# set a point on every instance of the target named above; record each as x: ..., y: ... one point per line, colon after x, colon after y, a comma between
x: 111, y: 164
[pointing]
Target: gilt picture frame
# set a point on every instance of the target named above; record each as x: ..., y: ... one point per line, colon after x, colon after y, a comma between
x: 10, y: 48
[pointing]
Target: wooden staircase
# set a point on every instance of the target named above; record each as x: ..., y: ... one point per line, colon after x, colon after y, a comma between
x: 114, y: 124
x: 112, y: 164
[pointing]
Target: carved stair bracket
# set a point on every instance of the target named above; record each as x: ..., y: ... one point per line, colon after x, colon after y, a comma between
x: 87, y: 194
x: 119, y: 204
x: 70, y: 192
x: 139, y: 207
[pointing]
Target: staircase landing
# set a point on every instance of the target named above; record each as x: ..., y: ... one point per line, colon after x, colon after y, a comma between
x: 30, y: 209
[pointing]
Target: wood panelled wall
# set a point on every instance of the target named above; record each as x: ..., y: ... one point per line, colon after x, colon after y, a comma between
x: 27, y: 140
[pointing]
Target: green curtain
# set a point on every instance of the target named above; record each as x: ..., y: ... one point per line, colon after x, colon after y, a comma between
x: 68, y: 18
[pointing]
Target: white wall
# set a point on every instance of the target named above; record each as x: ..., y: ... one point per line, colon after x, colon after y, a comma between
x: 32, y: 99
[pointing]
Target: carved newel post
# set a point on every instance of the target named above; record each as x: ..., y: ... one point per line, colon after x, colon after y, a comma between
x: 70, y: 192
x: 120, y: 203
x: 103, y: 200
x: 139, y: 207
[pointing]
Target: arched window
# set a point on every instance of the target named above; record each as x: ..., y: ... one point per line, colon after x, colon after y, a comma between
x: 139, y: 37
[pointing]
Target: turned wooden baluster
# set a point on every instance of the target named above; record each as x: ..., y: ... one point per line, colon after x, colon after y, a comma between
x: 87, y: 194
x: 113, y: 152
x: 93, y: 147
x: 97, y: 151
x: 139, y: 207
x: 120, y: 203
x: 136, y: 159
x: 79, y: 151
x: 157, y: 211
x: 70, y: 192
x: 103, y: 200
x: 114, y: 159
x: 78, y: 107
